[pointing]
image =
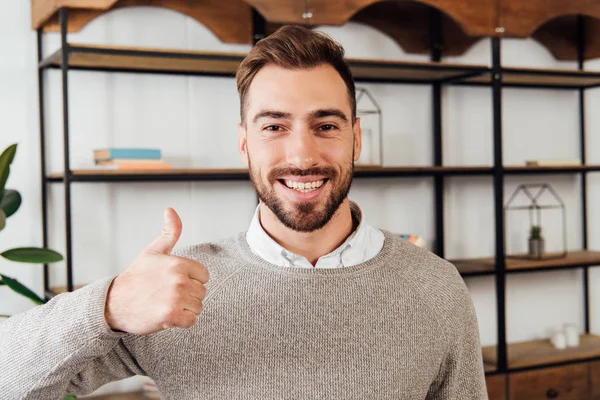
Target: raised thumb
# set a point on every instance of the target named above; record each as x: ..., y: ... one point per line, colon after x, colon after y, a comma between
x: 170, y: 234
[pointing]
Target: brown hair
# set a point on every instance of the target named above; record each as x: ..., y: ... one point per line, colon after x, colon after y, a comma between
x: 294, y: 47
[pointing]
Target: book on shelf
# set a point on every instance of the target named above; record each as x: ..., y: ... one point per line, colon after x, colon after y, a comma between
x: 114, y: 158
x: 116, y: 153
x: 133, y: 166
x: 553, y: 162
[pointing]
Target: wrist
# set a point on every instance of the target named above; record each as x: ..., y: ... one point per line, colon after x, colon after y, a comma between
x: 110, y: 310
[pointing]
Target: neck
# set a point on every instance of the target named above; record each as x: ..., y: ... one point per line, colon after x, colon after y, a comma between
x: 311, y: 245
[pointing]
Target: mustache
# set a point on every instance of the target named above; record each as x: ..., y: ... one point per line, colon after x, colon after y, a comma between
x: 278, y: 172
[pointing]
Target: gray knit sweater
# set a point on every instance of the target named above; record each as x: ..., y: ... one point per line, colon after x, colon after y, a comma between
x: 399, y: 326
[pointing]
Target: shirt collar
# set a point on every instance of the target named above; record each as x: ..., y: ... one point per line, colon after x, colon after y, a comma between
x: 362, y: 244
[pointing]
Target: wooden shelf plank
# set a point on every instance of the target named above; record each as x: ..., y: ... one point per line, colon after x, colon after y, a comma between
x: 574, y: 258
x: 121, y: 58
x: 489, y: 367
x: 519, y: 169
x: 476, y: 266
x: 171, y: 171
x: 360, y: 171
x: 554, y: 260
x: 138, y: 59
x: 541, y: 78
x: 63, y: 289
x: 542, y: 352
x: 370, y: 69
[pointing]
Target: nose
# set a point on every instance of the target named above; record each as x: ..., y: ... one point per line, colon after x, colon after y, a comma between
x: 302, y: 149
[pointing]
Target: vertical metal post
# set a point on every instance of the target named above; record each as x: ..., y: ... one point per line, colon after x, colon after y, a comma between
x: 64, y: 66
x: 498, y: 175
x: 258, y: 33
x: 582, y: 150
x: 436, y: 56
x: 258, y: 26
x: 44, y: 181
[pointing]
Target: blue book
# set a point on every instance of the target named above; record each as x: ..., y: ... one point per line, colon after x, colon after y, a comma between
x: 115, y: 153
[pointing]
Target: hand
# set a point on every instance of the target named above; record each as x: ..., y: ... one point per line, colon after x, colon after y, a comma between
x: 158, y: 290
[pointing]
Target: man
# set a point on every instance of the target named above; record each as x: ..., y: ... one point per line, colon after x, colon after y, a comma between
x: 310, y: 303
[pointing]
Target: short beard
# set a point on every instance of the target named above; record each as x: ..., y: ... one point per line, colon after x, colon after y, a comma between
x: 304, y: 217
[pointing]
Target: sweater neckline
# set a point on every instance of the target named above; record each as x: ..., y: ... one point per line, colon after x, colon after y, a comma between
x: 370, y: 264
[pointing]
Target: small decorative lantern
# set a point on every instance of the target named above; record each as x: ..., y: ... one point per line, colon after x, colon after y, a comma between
x: 371, y: 123
x: 536, y: 241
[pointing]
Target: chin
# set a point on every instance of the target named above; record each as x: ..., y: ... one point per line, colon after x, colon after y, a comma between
x: 305, y: 217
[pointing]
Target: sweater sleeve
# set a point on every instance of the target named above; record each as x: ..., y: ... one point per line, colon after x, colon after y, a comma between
x: 63, y: 347
x: 461, y: 375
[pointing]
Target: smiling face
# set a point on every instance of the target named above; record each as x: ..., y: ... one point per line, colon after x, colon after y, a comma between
x: 299, y: 143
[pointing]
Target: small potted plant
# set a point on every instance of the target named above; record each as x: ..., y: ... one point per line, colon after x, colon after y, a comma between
x: 536, y: 241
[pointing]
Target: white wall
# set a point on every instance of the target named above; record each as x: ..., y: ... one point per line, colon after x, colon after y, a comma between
x: 193, y: 119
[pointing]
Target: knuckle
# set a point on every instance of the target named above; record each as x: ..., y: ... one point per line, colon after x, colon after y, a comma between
x: 179, y: 282
x: 174, y: 264
x: 187, y: 320
x: 170, y: 316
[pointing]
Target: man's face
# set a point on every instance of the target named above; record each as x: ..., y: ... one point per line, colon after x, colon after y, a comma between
x: 299, y: 143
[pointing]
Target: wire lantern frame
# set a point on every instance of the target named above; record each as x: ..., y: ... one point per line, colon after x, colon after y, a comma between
x: 376, y: 110
x: 535, y: 214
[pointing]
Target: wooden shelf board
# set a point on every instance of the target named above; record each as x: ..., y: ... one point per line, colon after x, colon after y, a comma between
x: 147, y: 59
x: 474, y: 266
x: 123, y: 58
x: 550, y: 168
x: 63, y: 289
x: 489, y: 367
x: 542, y: 77
x: 171, y: 171
x: 541, y: 352
x: 411, y: 71
x: 574, y: 258
x: 360, y: 171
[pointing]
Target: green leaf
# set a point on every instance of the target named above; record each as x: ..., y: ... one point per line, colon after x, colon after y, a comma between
x: 69, y: 397
x: 10, y: 202
x: 21, y: 289
x: 34, y: 255
x: 6, y: 158
x: 2, y: 219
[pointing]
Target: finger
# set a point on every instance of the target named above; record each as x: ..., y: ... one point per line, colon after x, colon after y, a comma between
x: 184, y: 319
x: 197, y: 289
x: 198, y: 272
x: 170, y: 234
x: 193, y: 304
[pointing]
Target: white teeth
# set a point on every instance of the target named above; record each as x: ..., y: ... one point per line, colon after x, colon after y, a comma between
x: 304, y: 187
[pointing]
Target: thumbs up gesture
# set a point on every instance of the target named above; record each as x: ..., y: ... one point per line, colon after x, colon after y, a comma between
x: 158, y: 290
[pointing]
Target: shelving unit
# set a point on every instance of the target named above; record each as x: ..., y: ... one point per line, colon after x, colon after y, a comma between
x: 501, y: 359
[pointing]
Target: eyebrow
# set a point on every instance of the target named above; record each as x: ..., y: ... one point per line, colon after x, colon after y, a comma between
x: 328, y: 112
x: 271, y: 114
x: 321, y: 113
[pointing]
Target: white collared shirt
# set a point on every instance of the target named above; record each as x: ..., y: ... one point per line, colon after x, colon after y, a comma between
x: 362, y: 245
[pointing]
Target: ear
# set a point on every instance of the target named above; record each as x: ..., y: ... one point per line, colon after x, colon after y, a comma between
x: 357, y: 139
x: 243, y: 144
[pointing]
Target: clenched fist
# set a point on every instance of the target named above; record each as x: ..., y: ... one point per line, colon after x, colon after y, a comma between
x: 157, y: 290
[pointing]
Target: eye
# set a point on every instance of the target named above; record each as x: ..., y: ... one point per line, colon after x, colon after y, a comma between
x: 327, y: 127
x: 273, y: 128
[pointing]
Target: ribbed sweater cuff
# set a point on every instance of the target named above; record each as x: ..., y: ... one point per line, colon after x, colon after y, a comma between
x: 93, y: 298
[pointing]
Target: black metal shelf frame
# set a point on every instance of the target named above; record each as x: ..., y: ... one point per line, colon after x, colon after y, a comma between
x: 497, y: 171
